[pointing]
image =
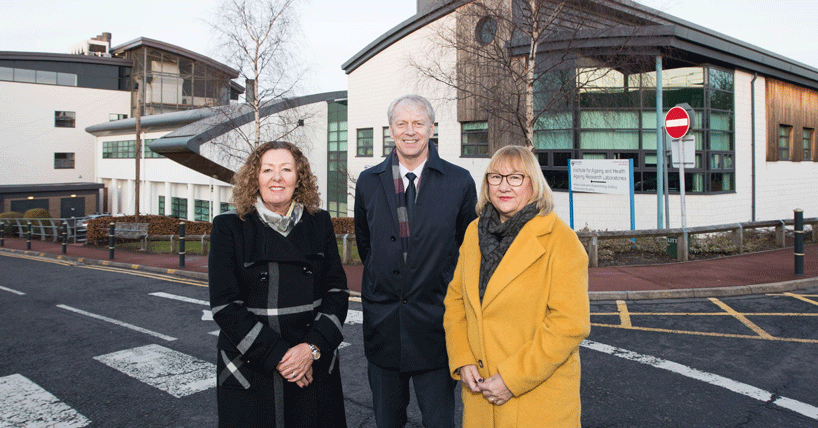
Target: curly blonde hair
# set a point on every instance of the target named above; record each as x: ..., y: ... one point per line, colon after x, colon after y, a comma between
x: 245, y: 181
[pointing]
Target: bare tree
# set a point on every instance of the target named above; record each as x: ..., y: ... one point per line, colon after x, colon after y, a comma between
x: 520, y: 63
x: 256, y: 38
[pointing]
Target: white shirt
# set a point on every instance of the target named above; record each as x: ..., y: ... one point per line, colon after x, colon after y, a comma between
x: 417, y: 171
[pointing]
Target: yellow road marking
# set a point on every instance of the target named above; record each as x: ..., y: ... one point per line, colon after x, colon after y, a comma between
x: 150, y: 275
x: 802, y: 298
x: 720, y: 314
x: 39, y: 259
x: 624, y: 317
x: 700, y: 333
x: 741, y: 318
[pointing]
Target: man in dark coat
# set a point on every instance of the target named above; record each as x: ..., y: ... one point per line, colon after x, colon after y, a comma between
x: 409, y: 247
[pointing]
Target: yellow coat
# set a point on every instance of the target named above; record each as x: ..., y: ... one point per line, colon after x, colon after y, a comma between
x: 534, y: 315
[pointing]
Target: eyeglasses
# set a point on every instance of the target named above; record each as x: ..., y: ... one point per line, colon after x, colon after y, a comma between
x: 514, y: 180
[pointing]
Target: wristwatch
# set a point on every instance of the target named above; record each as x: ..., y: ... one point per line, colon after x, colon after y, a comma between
x: 316, y: 353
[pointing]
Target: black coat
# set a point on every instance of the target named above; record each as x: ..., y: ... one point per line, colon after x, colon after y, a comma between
x: 268, y: 293
x: 403, y: 301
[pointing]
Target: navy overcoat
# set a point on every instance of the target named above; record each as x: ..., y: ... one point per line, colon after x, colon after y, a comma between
x: 403, y: 301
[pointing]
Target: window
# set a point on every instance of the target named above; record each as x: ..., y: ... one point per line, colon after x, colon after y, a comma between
x: 116, y: 116
x: 388, y: 142
x: 475, y: 139
x: 807, y: 140
x: 784, y: 137
x: 127, y: 150
x: 178, y: 207
x: 224, y: 207
x: 161, y: 205
x: 486, y: 30
x: 63, y: 161
x: 201, y: 210
x: 64, y: 119
x: 365, y: 142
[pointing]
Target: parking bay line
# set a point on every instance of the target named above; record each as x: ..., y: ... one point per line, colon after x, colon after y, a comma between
x: 117, y: 322
x: 713, y: 379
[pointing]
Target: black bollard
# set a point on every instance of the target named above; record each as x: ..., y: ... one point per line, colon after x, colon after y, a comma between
x: 799, y: 242
x: 28, y: 237
x: 64, y: 236
x: 111, y: 241
x: 182, y: 244
x: 2, y: 234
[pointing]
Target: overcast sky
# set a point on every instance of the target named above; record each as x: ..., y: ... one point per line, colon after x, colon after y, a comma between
x: 335, y: 30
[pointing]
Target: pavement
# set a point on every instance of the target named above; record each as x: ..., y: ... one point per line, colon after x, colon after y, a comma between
x: 753, y: 273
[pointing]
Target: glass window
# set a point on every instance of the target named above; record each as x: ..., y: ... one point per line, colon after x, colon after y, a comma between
x: 201, y: 210
x: 25, y: 76
x: 475, y: 139
x: 116, y: 116
x: 7, y: 74
x: 784, y: 136
x: 486, y: 30
x: 178, y: 207
x: 161, y: 204
x: 364, y: 142
x: 66, y: 79
x: 224, y: 207
x: 63, y: 160
x: 46, y: 77
x: 64, y: 119
x: 807, y: 143
x: 388, y: 142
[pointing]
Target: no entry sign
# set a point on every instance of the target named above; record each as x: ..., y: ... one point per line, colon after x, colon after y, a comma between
x: 677, y: 122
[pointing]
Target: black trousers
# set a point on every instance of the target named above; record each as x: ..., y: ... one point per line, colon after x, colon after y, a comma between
x: 434, y: 392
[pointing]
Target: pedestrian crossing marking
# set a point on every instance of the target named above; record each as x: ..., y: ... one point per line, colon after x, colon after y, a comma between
x: 171, y: 371
x: 23, y: 403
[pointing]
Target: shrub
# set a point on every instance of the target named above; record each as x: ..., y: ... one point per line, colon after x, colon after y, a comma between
x: 10, y: 231
x: 343, y: 225
x: 157, y: 225
x: 37, y: 213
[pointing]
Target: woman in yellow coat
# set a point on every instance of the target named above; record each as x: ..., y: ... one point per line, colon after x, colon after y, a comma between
x: 517, y: 306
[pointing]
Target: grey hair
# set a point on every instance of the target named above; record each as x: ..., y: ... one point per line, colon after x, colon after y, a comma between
x: 413, y: 100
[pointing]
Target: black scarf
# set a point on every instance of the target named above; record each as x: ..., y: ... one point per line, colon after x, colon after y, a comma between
x: 495, y: 238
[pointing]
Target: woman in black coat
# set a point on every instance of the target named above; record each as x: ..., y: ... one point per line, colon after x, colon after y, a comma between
x: 278, y: 293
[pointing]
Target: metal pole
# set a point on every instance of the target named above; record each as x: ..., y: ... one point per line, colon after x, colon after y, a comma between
x: 182, y: 244
x: 64, y: 236
x: 2, y: 234
x: 799, y: 242
x: 682, y: 181
x: 660, y: 149
x: 111, y: 241
x: 28, y: 237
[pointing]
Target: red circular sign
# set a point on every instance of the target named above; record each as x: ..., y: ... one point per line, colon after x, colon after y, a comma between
x: 677, y: 122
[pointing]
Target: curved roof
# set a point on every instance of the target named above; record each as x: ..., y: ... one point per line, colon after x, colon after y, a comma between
x: 662, y: 31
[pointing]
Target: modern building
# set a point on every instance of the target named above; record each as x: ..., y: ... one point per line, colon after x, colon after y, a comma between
x: 755, y: 111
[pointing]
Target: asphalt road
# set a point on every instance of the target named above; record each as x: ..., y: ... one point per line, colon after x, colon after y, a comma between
x: 103, y: 347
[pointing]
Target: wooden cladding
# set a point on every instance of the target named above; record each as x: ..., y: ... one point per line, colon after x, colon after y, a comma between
x: 795, y: 107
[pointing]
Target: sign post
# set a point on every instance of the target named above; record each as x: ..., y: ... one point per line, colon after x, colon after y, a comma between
x: 678, y: 122
x: 612, y: 176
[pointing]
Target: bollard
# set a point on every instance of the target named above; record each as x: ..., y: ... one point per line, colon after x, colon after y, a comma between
x: 28, y: 237
x: 182, y: 244
x: 2, y: 234
x: 799, y: 242
x: 111, y: 241
x: 64, y: 236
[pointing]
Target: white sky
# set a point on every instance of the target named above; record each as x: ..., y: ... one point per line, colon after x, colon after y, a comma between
x: 335, y: 30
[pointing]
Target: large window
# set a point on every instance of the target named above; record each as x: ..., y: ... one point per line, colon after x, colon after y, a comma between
x: 388, y: 142
x: 201, y: 210
x: 127, y: 150
x: 23, y: 75
x: 606, y: 114
x: 784, y: 140
x: 365, y: 142
x: 337, y: 182
x: 64, y: 119
x: 178, y: 207
x: 474, y: 139
x: 807, y: 136
x: 161, y: 205
x: 63, y: 160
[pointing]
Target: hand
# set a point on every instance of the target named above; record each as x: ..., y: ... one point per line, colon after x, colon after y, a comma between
x: 296, y: 363
x: 306, y: 380
x: 470, y: 377
x: 495, y: 390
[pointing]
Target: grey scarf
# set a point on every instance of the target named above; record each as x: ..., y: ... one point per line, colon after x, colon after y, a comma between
x: 279, y: 223
x: 495, y: 238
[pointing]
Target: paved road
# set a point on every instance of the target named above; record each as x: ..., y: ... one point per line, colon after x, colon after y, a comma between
x: 97, y: 346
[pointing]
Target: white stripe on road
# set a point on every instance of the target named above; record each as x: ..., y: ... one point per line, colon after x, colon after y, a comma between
x: 354, y: 317
x: 181, y: 298
x: 23, y: 403
x: 119, y: 323
x: 713, y: 379
x: 20, y: 293
x: 176, y: 373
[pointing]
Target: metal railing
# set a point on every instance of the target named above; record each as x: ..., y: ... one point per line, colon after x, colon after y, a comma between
x: 46, y: 228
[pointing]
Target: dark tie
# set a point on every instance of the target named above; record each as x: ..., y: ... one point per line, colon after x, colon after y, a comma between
x: 410, y: 195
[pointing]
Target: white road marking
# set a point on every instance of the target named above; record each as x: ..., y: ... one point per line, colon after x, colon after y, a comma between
x: 207, y: 315
x: 181, y: 298
x: 23, y: 403
x: 20, y: 293
x: 713, y: 379
x: 354, y: 317
x: 171, y: 371
x: 119, y: 323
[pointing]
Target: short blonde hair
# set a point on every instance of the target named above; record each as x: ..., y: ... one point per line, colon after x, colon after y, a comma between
x: 520, y: 159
